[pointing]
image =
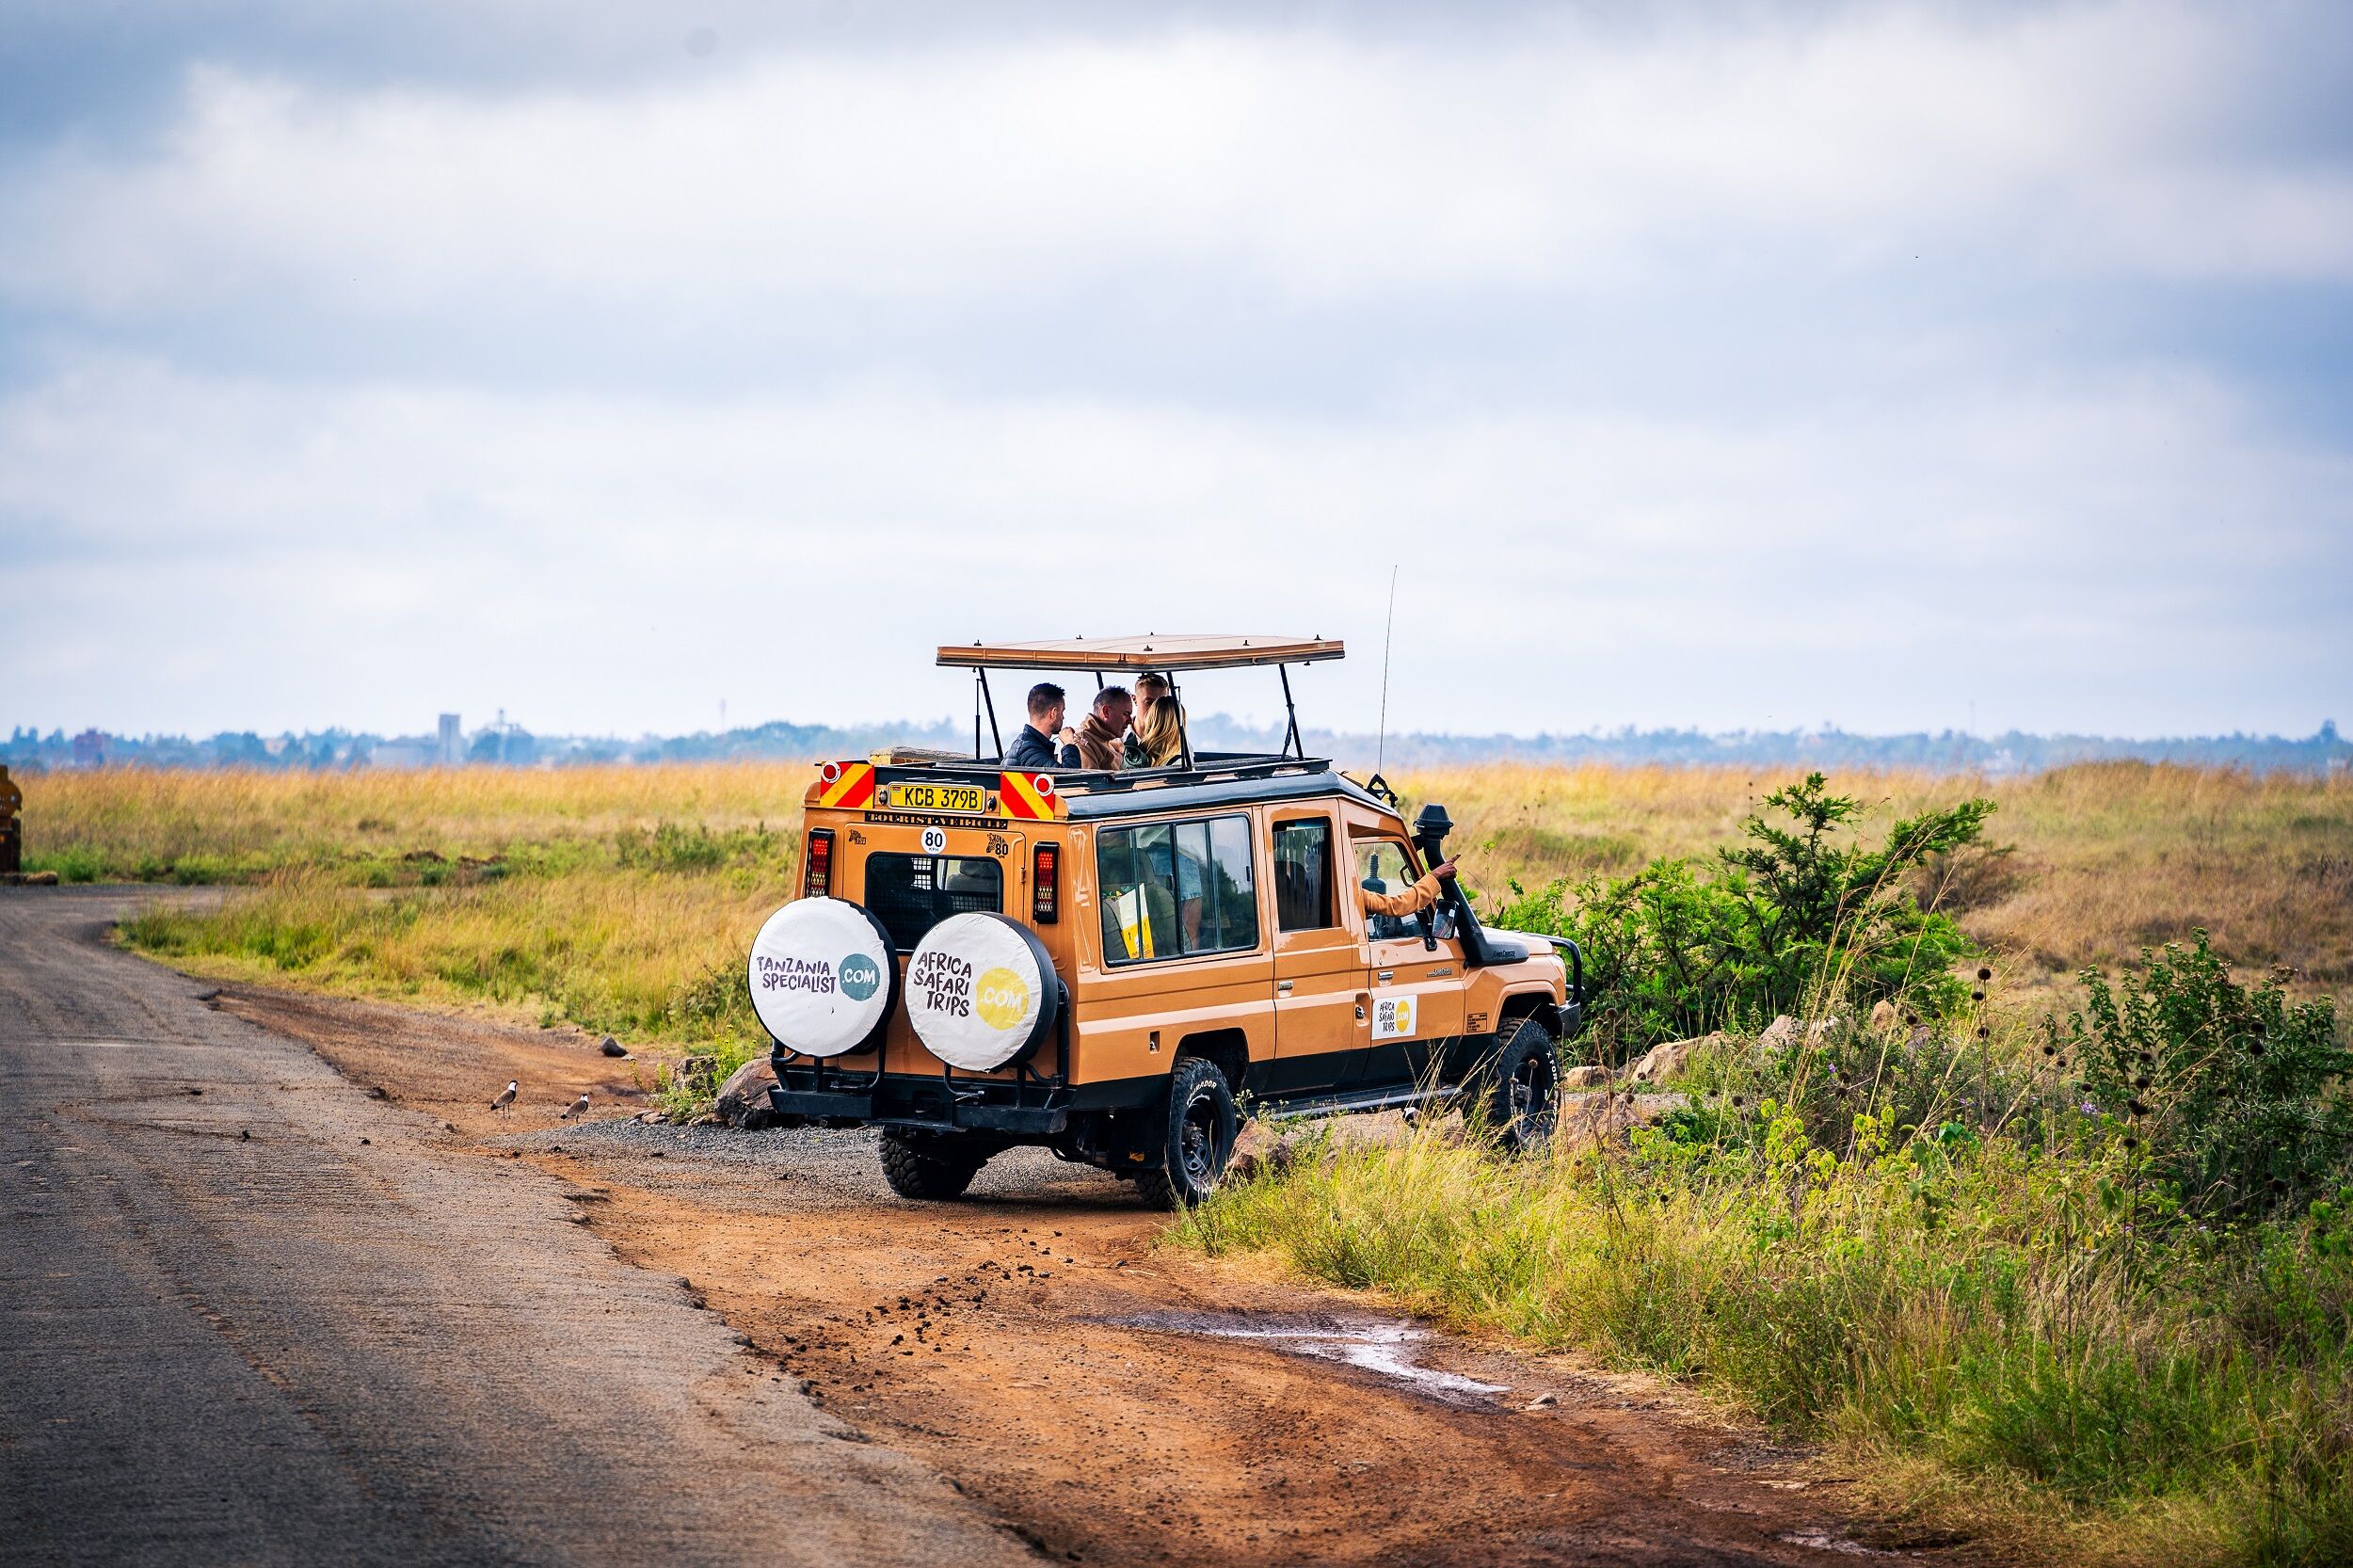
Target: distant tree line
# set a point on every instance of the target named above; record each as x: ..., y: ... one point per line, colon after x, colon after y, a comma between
x: 28, y: 751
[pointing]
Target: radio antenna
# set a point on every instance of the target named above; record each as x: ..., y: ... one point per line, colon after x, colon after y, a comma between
x: 1389, y: 631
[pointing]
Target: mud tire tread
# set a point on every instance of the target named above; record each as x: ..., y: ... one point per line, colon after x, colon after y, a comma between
x: 922, y: 1177
x: 1530, y: 1039
x: 1161, y: 1183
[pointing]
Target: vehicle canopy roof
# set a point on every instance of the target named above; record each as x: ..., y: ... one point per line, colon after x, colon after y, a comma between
x: 1212, y: 652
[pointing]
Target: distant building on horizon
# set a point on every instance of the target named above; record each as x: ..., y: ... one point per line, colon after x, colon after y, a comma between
x: 452, y: 748
x: 409, y: 751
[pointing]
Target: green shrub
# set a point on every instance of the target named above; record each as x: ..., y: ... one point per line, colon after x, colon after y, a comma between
x: 2233, y: 1097
x: 1801, y: 913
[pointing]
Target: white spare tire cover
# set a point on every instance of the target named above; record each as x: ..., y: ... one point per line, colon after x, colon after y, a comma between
x: 823, y: 976
x: 982, y: 991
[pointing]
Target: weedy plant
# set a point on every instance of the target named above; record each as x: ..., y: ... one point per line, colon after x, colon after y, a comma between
x: 2226, y: 1095
x: 1803, y: 909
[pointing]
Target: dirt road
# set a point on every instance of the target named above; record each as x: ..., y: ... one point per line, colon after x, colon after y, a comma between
x: 1024, y: 1373
x: 249, y: 1314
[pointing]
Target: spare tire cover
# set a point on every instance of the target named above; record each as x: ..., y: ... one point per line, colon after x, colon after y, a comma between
x: 823, y: 976
x: 982, y: 991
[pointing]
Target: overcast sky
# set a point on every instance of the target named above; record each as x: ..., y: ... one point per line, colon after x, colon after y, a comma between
x: 1728, y: 365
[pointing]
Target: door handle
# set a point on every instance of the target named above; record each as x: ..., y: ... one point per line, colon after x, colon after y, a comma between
x: 1386, y: 976
x: 1282, y: 987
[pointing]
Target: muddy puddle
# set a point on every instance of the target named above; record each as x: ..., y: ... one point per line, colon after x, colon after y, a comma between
x: 1384, y: 1347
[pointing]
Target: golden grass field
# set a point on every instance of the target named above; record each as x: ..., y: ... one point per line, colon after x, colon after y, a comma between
x: 545, y: 890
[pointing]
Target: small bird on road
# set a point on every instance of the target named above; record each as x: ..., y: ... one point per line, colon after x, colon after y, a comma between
x: 506, y: 1096
x: 578, y: 1107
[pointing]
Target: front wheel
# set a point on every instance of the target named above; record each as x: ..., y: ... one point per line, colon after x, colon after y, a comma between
x: 1524, y: 1100
x: 1195, y: 1136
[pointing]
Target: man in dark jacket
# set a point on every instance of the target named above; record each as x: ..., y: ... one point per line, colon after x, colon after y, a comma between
x: 1032, y: 748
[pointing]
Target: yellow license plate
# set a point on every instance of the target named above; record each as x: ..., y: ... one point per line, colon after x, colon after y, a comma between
x: 931, y: 797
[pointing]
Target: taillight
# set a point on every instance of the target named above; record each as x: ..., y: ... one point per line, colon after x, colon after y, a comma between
x: 1045, y: 884
x: 817, y: 876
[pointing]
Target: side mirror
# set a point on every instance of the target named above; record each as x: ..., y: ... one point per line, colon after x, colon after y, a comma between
x: 1429, y: 930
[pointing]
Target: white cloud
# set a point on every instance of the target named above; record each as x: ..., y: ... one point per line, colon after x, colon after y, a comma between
x: 1612, y: 337
x: 1314, y: 164
x: 372, y: 554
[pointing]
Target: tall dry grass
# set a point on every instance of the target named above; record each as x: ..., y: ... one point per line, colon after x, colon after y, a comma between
x: 2098, y: 861
x: 143, y: 824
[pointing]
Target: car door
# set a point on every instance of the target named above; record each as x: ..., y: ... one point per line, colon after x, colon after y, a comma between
x: 1417, y: 989
x: 1322, y: 1011
x: 1176, y: 944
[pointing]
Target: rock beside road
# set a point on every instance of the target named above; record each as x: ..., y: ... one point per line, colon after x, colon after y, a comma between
x: 1593, y: 1116
x: 743, y: 1098
x: 1667, y: 1060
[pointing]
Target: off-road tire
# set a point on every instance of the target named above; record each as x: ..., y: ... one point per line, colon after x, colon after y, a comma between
x: 1523, y: 1100
x: 929, y: 1169
x: 1194, y: 1137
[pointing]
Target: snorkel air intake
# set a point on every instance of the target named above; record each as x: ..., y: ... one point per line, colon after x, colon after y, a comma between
x: 1431, y: 827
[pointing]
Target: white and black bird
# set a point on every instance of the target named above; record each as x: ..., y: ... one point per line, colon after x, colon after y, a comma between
x: 578, y: 1107
x: 506, y: 1096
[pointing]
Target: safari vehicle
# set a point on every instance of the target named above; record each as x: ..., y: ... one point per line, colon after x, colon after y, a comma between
x: 1103, y: 963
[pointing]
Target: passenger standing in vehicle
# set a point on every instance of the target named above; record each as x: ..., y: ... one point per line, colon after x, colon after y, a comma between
x: 1097, y: 745
x: 1032, y: 748
x: 1149, y: 690
x: 1159, y: 738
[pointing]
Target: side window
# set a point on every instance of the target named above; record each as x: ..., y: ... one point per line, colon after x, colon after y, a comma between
x: 1171, y: 889
x: 1230, y: 902
x: 1303, y: 876
x: 1381, y: 867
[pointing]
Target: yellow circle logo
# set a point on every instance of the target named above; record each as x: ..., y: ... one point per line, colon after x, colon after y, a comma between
x: 1000, y: 999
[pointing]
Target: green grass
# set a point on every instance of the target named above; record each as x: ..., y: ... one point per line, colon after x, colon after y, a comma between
x: 1993, y: 1331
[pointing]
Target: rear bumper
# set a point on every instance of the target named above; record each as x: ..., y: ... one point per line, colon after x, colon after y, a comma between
x: 1029, y: 1108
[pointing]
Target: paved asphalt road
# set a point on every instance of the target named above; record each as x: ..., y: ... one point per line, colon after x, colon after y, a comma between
x: 249, y: 1315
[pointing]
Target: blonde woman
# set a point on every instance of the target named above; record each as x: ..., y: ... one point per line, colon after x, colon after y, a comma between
x: 1161, y: 732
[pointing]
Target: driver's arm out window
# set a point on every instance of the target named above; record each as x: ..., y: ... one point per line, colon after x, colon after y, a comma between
x: 1383, y: 867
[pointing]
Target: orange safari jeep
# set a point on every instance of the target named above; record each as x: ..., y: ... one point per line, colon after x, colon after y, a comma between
x: 1103, y: 961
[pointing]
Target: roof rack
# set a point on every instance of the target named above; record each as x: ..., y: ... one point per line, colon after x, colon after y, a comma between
x: 1151, y: 653
x: 1219, y: 651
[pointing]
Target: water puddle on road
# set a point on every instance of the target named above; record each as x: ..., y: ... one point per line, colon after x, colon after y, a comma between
x: 1822, y: 1540
x: 1382, y: 1346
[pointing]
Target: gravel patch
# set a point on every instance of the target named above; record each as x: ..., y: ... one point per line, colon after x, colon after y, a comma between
x: 841, y: 1166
